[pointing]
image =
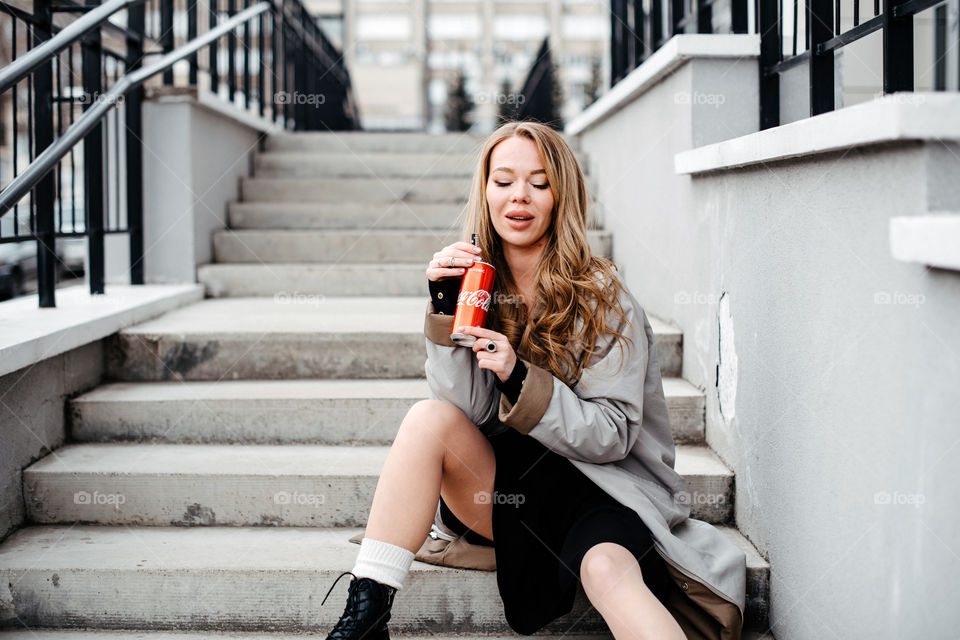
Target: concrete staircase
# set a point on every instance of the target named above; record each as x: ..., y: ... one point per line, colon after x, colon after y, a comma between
x: 214, y: 482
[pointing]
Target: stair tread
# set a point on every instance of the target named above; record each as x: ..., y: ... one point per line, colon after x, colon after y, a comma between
x: 92, y: 547
x: 303, y: 389
x: 301, y: 460
x: 260, y: 315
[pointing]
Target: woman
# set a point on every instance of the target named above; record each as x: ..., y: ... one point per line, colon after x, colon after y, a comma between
x: 555, y: 447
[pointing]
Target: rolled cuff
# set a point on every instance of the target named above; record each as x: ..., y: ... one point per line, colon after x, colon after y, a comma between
x: 438, y: 327
x: 535, y: 396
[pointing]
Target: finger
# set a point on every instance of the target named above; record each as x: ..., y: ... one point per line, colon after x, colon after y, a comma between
x: 465, y: 246
x: 438, y: 274
x: 481, y: 332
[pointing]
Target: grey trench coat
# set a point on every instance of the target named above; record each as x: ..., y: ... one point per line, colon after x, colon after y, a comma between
x: 613, y: 426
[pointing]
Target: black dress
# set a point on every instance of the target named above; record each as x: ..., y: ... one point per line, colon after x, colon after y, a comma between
x: 546, y: 515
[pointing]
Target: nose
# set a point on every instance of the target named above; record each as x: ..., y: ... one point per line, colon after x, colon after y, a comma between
x: 520, y: 193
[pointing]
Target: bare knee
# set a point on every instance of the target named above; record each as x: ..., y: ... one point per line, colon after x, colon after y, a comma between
x: 605, y: 564
x: 432, y: 421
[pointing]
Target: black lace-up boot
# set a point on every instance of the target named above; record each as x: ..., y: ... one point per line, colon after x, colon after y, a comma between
x: 367, y: 612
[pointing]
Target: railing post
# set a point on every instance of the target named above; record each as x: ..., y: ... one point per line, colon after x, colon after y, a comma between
x: 639, y: 33
x: 739, y: 22
x: 276, y: 42
x: 44, y: 192
x: 768, y: 16
x: 677, y: 9
x: 232, y: 52
x: 897, y: 48
x: 166, y: 35
x: 820, y: 19
x: 261, y: 56
x: 618, y: 45
x: 93, y: 158
x: 214, y: 54
x: 191, y: 34
x: 246, y: 60
x: 134, y: 121
x: 704, y: 17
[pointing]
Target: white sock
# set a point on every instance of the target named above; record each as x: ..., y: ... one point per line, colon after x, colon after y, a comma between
x: 384, y: 562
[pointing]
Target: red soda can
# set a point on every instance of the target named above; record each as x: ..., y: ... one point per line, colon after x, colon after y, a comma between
x: 473, y: 303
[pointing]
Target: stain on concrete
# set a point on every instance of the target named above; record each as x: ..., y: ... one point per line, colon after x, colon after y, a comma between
x: 197, y: 515
x: 55, y: 579
x: 182, y: 357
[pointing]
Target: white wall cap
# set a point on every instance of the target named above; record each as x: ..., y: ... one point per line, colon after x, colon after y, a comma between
x: 29, y: 334
x: 662, y: 63
x: 928, y: 239
x: 891, y: 118
x: 218, y: 106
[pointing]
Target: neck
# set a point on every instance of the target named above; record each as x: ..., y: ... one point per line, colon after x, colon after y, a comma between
x: 523, y: 263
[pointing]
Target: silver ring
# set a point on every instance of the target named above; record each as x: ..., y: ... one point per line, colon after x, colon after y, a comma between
x: 490, y: 346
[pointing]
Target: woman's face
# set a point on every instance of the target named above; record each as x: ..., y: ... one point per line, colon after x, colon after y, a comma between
x: 518, y: 195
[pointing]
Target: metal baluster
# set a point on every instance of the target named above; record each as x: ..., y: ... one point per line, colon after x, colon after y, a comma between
x: 43, y: 138
x: 93, y: 159
x: 132, y: 106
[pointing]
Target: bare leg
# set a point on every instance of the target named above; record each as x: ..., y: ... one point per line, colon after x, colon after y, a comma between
x: 436, y: 447
x: 614, y: 585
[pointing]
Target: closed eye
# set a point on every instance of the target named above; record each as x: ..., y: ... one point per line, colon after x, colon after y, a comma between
x: 537, y: 186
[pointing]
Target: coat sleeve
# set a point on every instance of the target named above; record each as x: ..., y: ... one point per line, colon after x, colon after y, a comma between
x: 600, y: 420
x: 453, y: 373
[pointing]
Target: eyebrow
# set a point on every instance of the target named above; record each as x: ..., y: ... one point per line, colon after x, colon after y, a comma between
x: 509, y: 170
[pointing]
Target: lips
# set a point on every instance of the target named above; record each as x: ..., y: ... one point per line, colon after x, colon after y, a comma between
x: 519, y: 215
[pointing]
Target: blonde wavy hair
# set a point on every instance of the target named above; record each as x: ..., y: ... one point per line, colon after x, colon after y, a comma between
x: 573, y: 307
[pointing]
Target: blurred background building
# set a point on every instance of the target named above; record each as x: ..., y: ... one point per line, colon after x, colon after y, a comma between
x: 407, y: 57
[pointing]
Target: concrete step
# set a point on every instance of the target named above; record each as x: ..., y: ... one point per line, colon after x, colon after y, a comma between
x: 425, y: 189
x: 88, y: 634
x: 287, y: 411
x: 345, y: 215
x: 248, y: 579
x: 249, y: 485
x: 317, y: 279
x: 353, y: 246
x: 369, y: 142
x: 295, y: 336
x: 307, y: 164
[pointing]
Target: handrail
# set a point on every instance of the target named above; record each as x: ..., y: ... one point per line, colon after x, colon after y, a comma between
x: 44, y: 162
x: 24, y: 65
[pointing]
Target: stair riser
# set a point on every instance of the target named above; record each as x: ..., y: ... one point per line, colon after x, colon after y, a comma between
x: 151, y: 499
x: 364, y: 247
x: 137, y: 358
x: 375, y: 143
x: 263, y: 600
x: 326, y: 421
x: 355, y: 189
x: 297, y: 165
x: 401, y: 215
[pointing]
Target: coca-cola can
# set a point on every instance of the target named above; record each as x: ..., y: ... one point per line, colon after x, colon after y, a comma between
x: 473, y: 303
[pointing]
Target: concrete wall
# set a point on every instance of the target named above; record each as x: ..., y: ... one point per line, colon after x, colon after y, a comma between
x: 830, y: 368
x: 194, y: 156
x: 33, y: 418
x: 839, y: 366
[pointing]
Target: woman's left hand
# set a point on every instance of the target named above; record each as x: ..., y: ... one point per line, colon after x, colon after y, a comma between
x: 501, y: 361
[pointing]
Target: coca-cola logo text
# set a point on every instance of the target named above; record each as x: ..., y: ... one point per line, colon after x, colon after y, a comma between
x: 479, y: 299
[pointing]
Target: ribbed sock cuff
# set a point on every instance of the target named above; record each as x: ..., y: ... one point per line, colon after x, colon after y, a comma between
x: 384, y: 562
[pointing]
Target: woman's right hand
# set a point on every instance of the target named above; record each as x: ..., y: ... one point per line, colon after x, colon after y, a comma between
x: 452, y: 261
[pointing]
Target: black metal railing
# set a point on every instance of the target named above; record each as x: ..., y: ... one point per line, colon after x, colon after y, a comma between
x: 538, y: 98
x: 821, y: 35
x: 270, y: 58
x: 639, y: 27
